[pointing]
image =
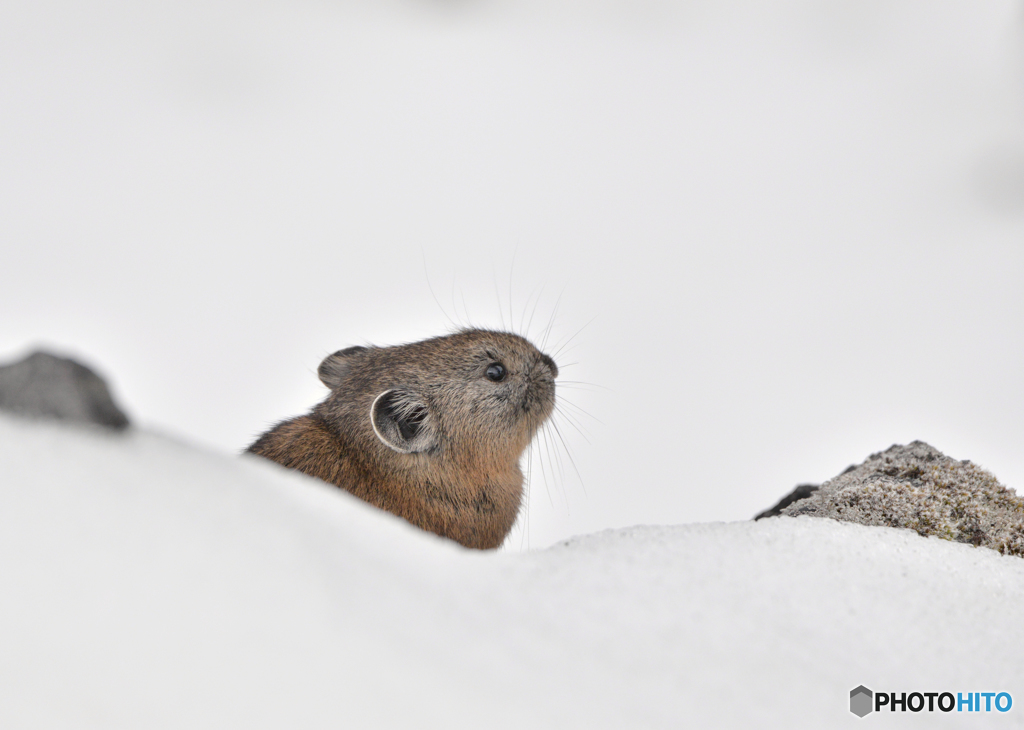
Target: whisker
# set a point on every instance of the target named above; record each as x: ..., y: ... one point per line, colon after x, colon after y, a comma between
x: 566, y: 351
x: 551, y: 461
x: 465, y: 310
x: 551, y: 321
x: 455, y: 307
x: 558, y: 460
x: 572, y: 423
x: 497, y: 294
x: 576, y: 388
x: 526, y: 495
x: 559, y: 350
x: 511, y: 271
x: 581, y: 410
x: 529, y: 324
x: 569, y: 454
x: 437, y: 301
x: 522, y: 317
x: 576, y: 421
x: 581, y: 382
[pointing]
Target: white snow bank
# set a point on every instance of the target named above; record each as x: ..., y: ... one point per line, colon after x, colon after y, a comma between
x: 149, y: 584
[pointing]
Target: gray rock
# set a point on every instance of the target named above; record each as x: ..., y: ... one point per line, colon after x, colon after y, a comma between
x: 48, y: 386
x: 801, y: 491
x: 920, y: 488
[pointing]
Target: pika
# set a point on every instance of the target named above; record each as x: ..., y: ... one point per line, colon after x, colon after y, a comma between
x: 431, y: 431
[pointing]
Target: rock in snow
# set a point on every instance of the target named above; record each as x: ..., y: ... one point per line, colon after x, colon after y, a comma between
x: 920, y: 488
x: 145, y: 583
x: 49, y: 386
x: 801, y: 491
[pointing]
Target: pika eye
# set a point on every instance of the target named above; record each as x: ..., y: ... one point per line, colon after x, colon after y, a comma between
x: 496, y: 372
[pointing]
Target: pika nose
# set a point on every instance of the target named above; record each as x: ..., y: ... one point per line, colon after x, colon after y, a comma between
x: 550, y: 363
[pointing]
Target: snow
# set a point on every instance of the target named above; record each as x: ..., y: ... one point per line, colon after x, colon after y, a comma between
x: 148, y: 583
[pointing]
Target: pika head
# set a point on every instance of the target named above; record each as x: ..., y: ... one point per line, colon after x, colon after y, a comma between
x: 431, y: 431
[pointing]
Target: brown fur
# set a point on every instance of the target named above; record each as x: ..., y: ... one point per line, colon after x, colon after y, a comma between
x: 456, y: 435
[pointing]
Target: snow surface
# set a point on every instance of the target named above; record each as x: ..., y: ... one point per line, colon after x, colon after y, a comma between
x: 146, y: 583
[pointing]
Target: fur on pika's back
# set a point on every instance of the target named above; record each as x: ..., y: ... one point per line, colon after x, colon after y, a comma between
x: 431, y: 431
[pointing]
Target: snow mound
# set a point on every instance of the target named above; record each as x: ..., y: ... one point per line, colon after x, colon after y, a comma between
x: 920, y: 488
x: 150, y: 584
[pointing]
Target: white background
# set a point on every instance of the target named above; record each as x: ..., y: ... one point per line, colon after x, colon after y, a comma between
x: 784, y: 237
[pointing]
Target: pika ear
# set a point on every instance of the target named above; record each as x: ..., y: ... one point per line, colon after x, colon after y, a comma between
x: 334, y: 368
x: 402, y: 421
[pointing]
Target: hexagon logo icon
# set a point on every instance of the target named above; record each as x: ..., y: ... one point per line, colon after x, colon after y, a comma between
x: 860, y: 701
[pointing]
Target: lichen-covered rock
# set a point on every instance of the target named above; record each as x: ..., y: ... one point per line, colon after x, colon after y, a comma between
x: 801, y: 491
x: 48, y: 386
x: 920, y: 488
